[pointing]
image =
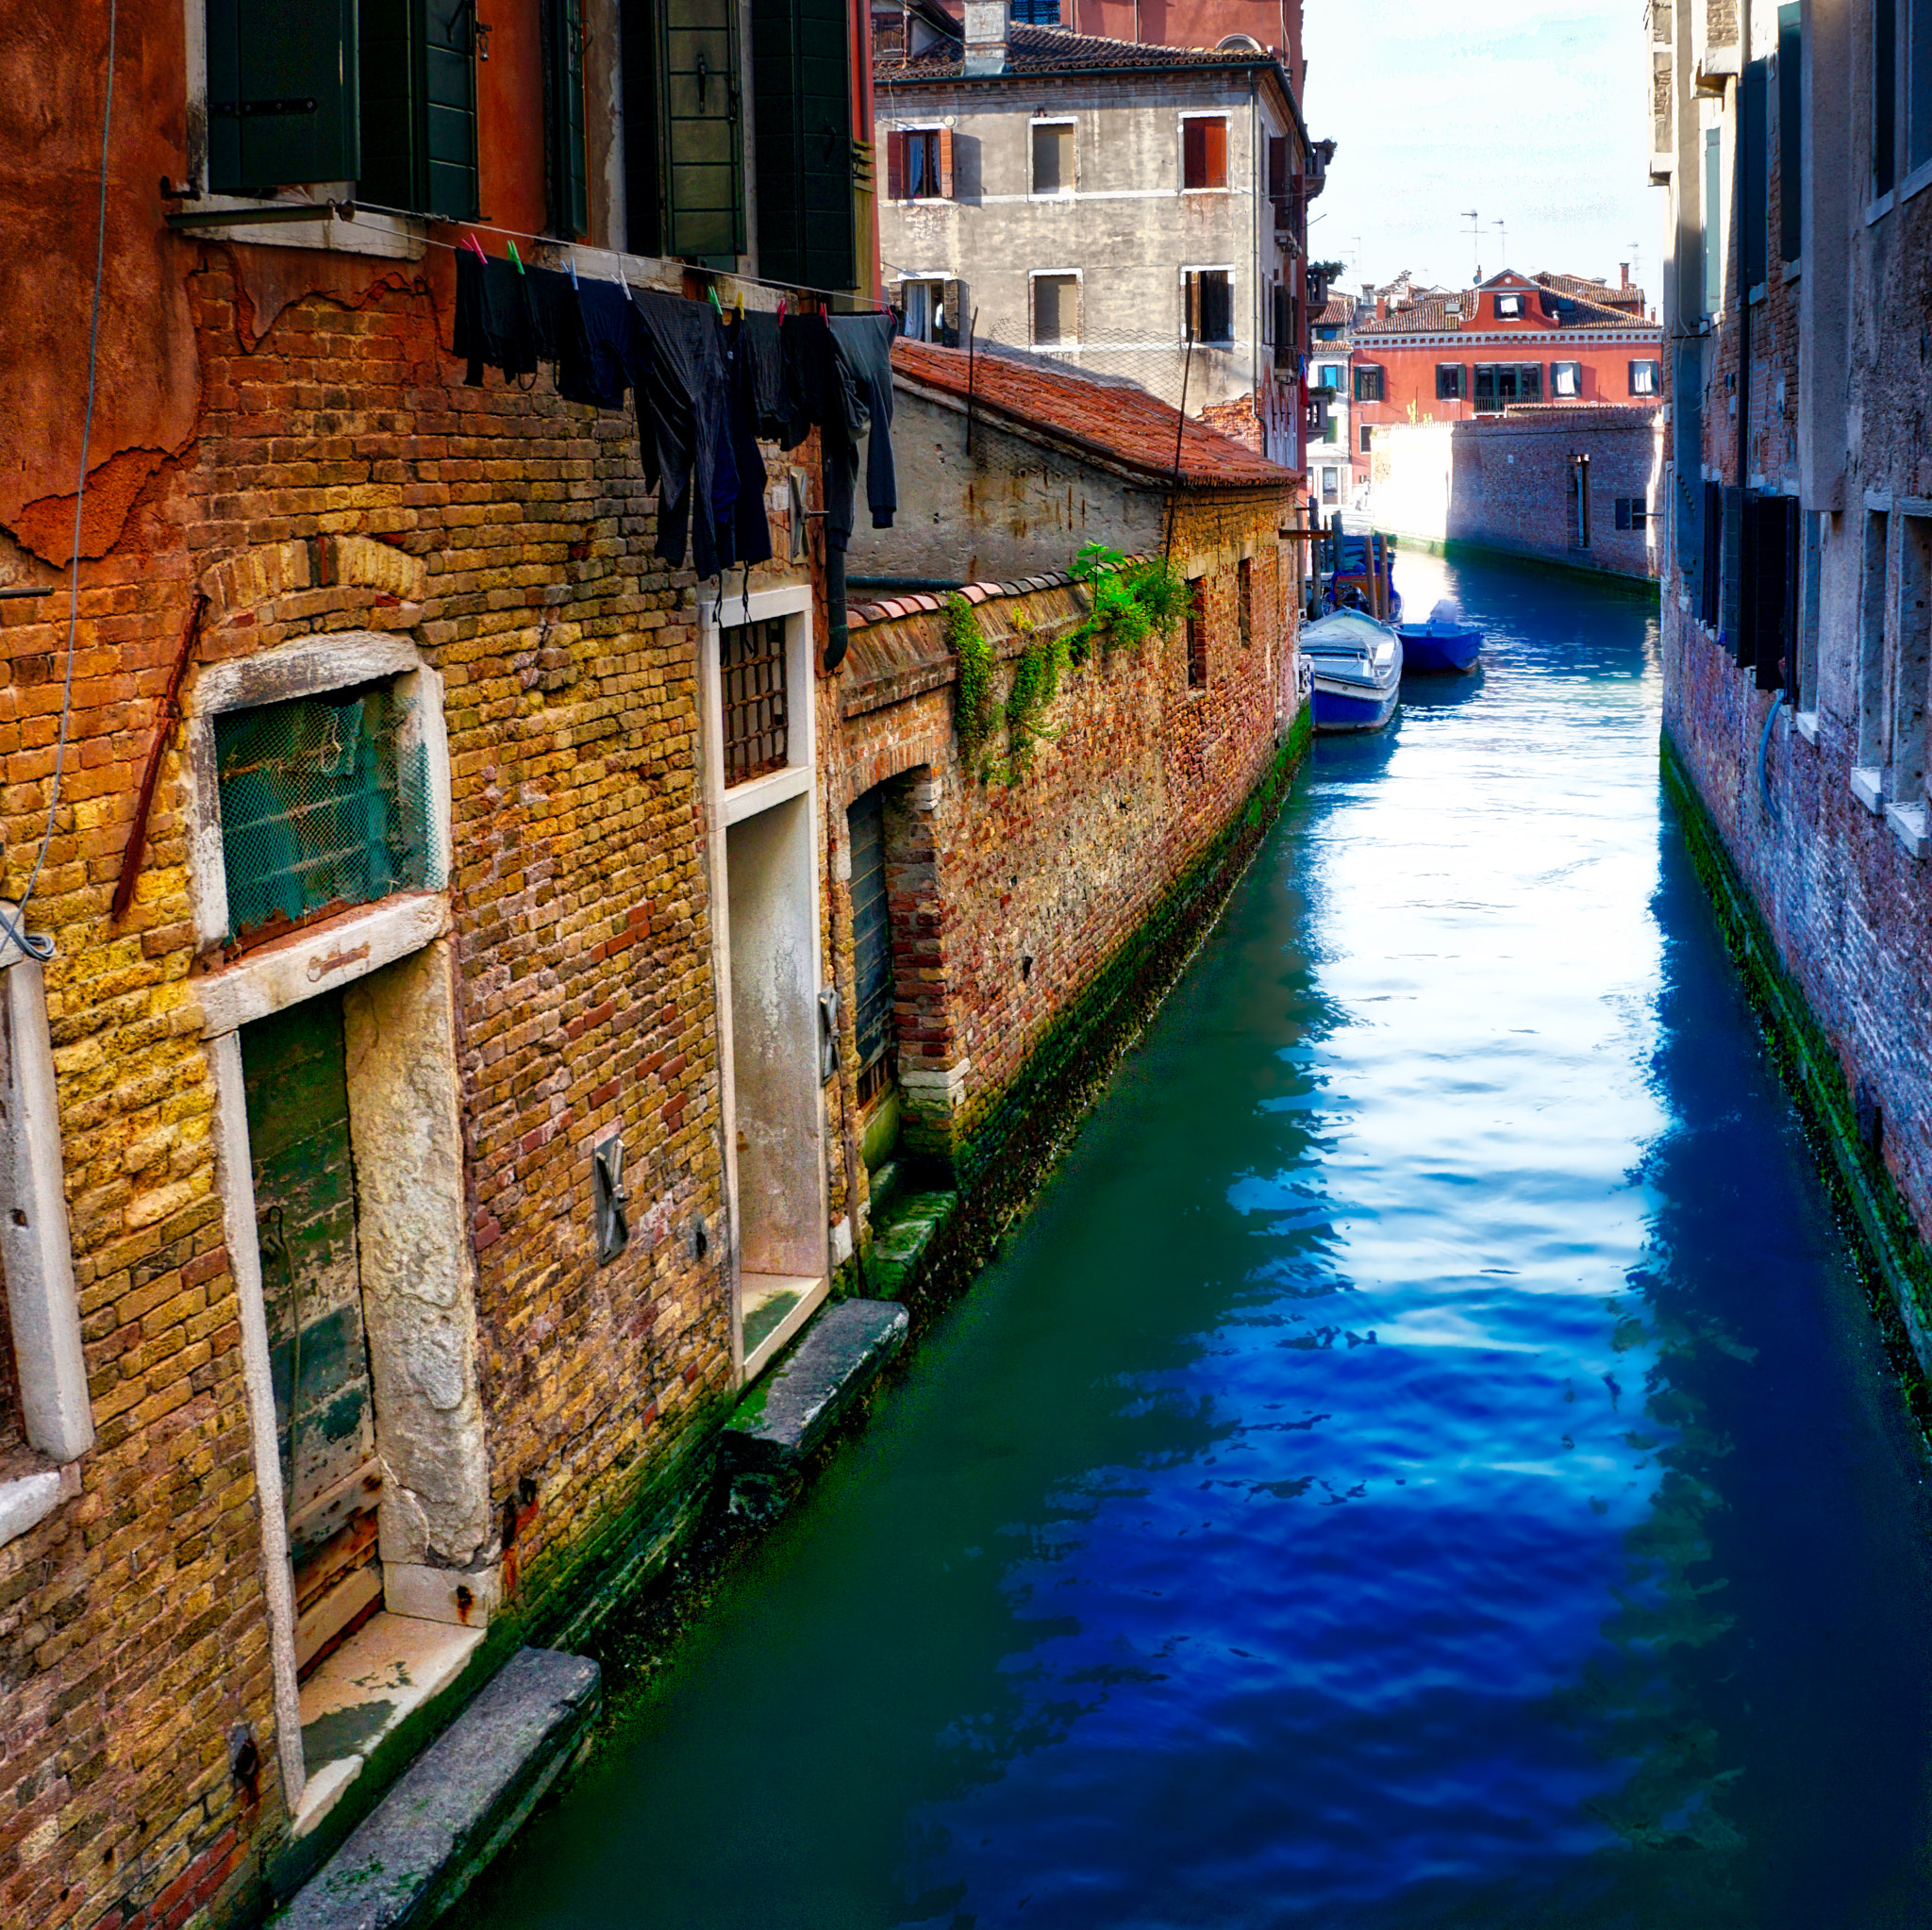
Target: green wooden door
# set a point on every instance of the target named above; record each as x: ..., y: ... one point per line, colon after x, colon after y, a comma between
x: 304, y: 1204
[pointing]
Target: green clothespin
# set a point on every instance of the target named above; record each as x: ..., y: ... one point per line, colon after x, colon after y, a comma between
x: 712, y: 292
x: 516, y: 257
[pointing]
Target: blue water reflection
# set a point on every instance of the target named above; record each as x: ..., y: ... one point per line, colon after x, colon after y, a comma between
x: 1426, y: 1461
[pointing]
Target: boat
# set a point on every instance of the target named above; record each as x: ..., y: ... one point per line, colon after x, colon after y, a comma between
x: 1445, y: 643
x: 1355, y: 664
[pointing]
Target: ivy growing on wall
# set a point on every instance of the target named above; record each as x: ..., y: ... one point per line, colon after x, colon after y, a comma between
x: 1130, y: 600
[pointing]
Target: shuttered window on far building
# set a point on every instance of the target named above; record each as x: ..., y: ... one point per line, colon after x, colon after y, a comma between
x: 806, y: 158
x: 566, y: 173
x: 382, y: 94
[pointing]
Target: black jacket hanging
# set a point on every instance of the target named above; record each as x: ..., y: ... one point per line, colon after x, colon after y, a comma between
x: 681, y: 402
x: 864, y: 347
x: 495, y: 326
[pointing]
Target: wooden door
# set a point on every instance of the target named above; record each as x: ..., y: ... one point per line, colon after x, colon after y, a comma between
x: 305, y: 1205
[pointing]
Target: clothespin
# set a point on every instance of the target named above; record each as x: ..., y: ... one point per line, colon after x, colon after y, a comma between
x: 475, y: 247
x: 712, y: 292
x: 516, y: 257
x: 781, y: 308
x: 739, y: 305
x: 572, y: 260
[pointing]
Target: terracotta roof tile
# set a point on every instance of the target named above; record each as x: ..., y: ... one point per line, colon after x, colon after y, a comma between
x: 1117, y: 421
x: 1049, y: 50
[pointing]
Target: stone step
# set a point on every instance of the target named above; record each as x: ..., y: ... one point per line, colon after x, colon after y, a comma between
x: 901, y: 1237
x: 458, y: 1803
x: 790, y: 1412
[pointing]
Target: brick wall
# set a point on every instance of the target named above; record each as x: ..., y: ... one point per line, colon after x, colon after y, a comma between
x: 1008, y: 898
x: 340, y: 478
x: 1505, y: 484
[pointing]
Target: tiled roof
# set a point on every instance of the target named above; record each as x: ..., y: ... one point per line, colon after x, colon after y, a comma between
x: 1118, y: 422
x: 1048, y: 50
x: 1591, y: 289
x: 1432, y: 317
x: 1341, y: 310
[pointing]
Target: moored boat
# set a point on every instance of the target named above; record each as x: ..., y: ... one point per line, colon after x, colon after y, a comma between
x: 1355, y: 667
x: 1445, y: 643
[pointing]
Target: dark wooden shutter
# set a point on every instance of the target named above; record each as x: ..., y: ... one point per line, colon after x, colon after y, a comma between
x: 566, y: 172
x: 1754, y: 172
x: 804, y: 159
x: 1710, y: 601
x: 641, y: 58
x: 1884, y: 94
x: 1791, y: 136
x: 1731, y: 609
x: 945, y: 147
x: 895, y: 171
x: 703, y: 175
x: 871, y: 937
x: 281, y: 94
x: 418, y: 116
x: 1776, y: 554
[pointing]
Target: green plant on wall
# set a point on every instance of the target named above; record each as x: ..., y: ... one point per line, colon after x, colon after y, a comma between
x: 973, y: 705
x: 1035, y: 683
x: 1131, y: 600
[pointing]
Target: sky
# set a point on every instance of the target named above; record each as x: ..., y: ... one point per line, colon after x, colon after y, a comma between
x: 1533, y: 111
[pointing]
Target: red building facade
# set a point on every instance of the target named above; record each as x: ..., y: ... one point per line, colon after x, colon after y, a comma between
x: 1448, y: 358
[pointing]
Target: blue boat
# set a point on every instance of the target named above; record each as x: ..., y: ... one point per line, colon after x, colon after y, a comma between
x: 1355, y: 664
x: 1445, y: 643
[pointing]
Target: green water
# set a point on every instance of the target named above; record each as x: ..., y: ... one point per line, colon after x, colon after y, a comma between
x: 1425, y: 1461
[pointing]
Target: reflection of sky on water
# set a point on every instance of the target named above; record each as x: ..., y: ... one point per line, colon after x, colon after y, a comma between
x: 1425, y: 1463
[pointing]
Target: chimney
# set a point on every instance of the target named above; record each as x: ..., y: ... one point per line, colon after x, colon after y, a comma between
x: 988, y: 30
x: 1624, y: 266
x: 1381, y: 308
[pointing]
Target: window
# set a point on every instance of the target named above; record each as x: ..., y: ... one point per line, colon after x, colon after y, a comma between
x: 918, y: 164
x: 750, y: 666
x: 1367, y: 431
x: 1884, y: 94
x: 1508, y: 306
x: 872, y: 944
x: 1055, y: 309
x: 1207, y: 305
x: 1244, y: 601
x: 1643, y: 378
x: 1754, y: 177
x: 1037, y: 12
x: 1917, y: 83
x: 1053, y: 156
x: 1566, y: 380
x: 1579, y: 502
x: 1871, y: 639
x: 1197, y: 635
x: 1330, y: 375
x: 1331, y: 485
x: 1770, y: 599
x: 1328, y: 334
x: 1790, y: 139
x: 383, y: 94
x: 1451, y: 382
x: 1497, y: 384
x: 1710, y: 605
x: 683, y: 160
x: 1368, y: 383
x: 1713, y: 221
x: 1913, y: 671
x: 566, y: 170
x: 1807, y: 611
x: 925, y: 310
x: 325, y: 803
x: 1632, y: 512
x: 802, y: 131
x: 888, y: 33
x: 1204, y: 151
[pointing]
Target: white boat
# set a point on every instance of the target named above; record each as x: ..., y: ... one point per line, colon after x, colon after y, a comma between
x: 1356, y: 665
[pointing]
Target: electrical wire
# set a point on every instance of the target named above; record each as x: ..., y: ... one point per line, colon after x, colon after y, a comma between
x: 40, y: 946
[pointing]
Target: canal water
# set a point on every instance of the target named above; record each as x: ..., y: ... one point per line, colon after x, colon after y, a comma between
x: 1425, y: 1461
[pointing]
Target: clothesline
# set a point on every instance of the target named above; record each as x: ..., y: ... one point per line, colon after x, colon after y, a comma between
x: 871, y: 308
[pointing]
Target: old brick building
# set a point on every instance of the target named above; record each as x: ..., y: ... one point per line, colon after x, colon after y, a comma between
x: 403, y: 1182
x: 1796, y: 143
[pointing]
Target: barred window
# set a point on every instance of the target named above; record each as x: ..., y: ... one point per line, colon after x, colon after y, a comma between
x: 325, y: 804
x: 751, y: 660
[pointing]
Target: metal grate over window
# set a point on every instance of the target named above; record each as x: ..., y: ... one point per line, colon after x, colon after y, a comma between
x: 325, y: 802
x: 751, y: 662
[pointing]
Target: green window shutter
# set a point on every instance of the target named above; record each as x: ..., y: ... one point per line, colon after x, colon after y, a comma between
x: 281, y: 94
x: 419, y: 107
x: 1790, y: 122
x: 1754, y: 174
x: 704, y: 168
x: 567, y: 172
x: 805, y: 152
x: 639, y: 61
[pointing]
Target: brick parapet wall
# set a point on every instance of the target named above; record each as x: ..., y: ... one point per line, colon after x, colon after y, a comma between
x: 507, y: 533
x: 1036, y: 884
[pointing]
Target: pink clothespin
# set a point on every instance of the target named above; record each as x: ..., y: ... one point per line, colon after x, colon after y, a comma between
x: 476, y: 247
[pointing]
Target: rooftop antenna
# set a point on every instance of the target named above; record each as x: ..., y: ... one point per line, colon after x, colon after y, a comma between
x: 1476, y: 248
x: 1502, y: 239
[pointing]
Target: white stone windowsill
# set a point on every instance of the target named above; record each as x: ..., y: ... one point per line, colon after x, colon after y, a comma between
x: 760, y: 793
x: 1792, y: 269
x: 1879, y: 209
x: 1868, y: 787
x: 1805, y: 723
x: 1920, y: 178
x: 1908, y: 825
x: 27, y: 1499
x: 387, y: 237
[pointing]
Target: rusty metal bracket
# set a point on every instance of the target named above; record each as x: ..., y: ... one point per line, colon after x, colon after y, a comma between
x: 168, y: 716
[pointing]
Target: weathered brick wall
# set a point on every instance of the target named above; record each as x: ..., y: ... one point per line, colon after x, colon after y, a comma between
x: 1505, y: 484
x: 338, y: 463
x: 1032, y: 885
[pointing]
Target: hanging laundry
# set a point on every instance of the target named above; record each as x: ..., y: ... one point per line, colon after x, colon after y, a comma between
x: 557, y: 313
x: 603, y: 366
x: 495, y: 325
x: 762, y: 361
x: 749, y: 530
x: 864, y: 346
x: 680, y: 402
x: 820, y: 391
